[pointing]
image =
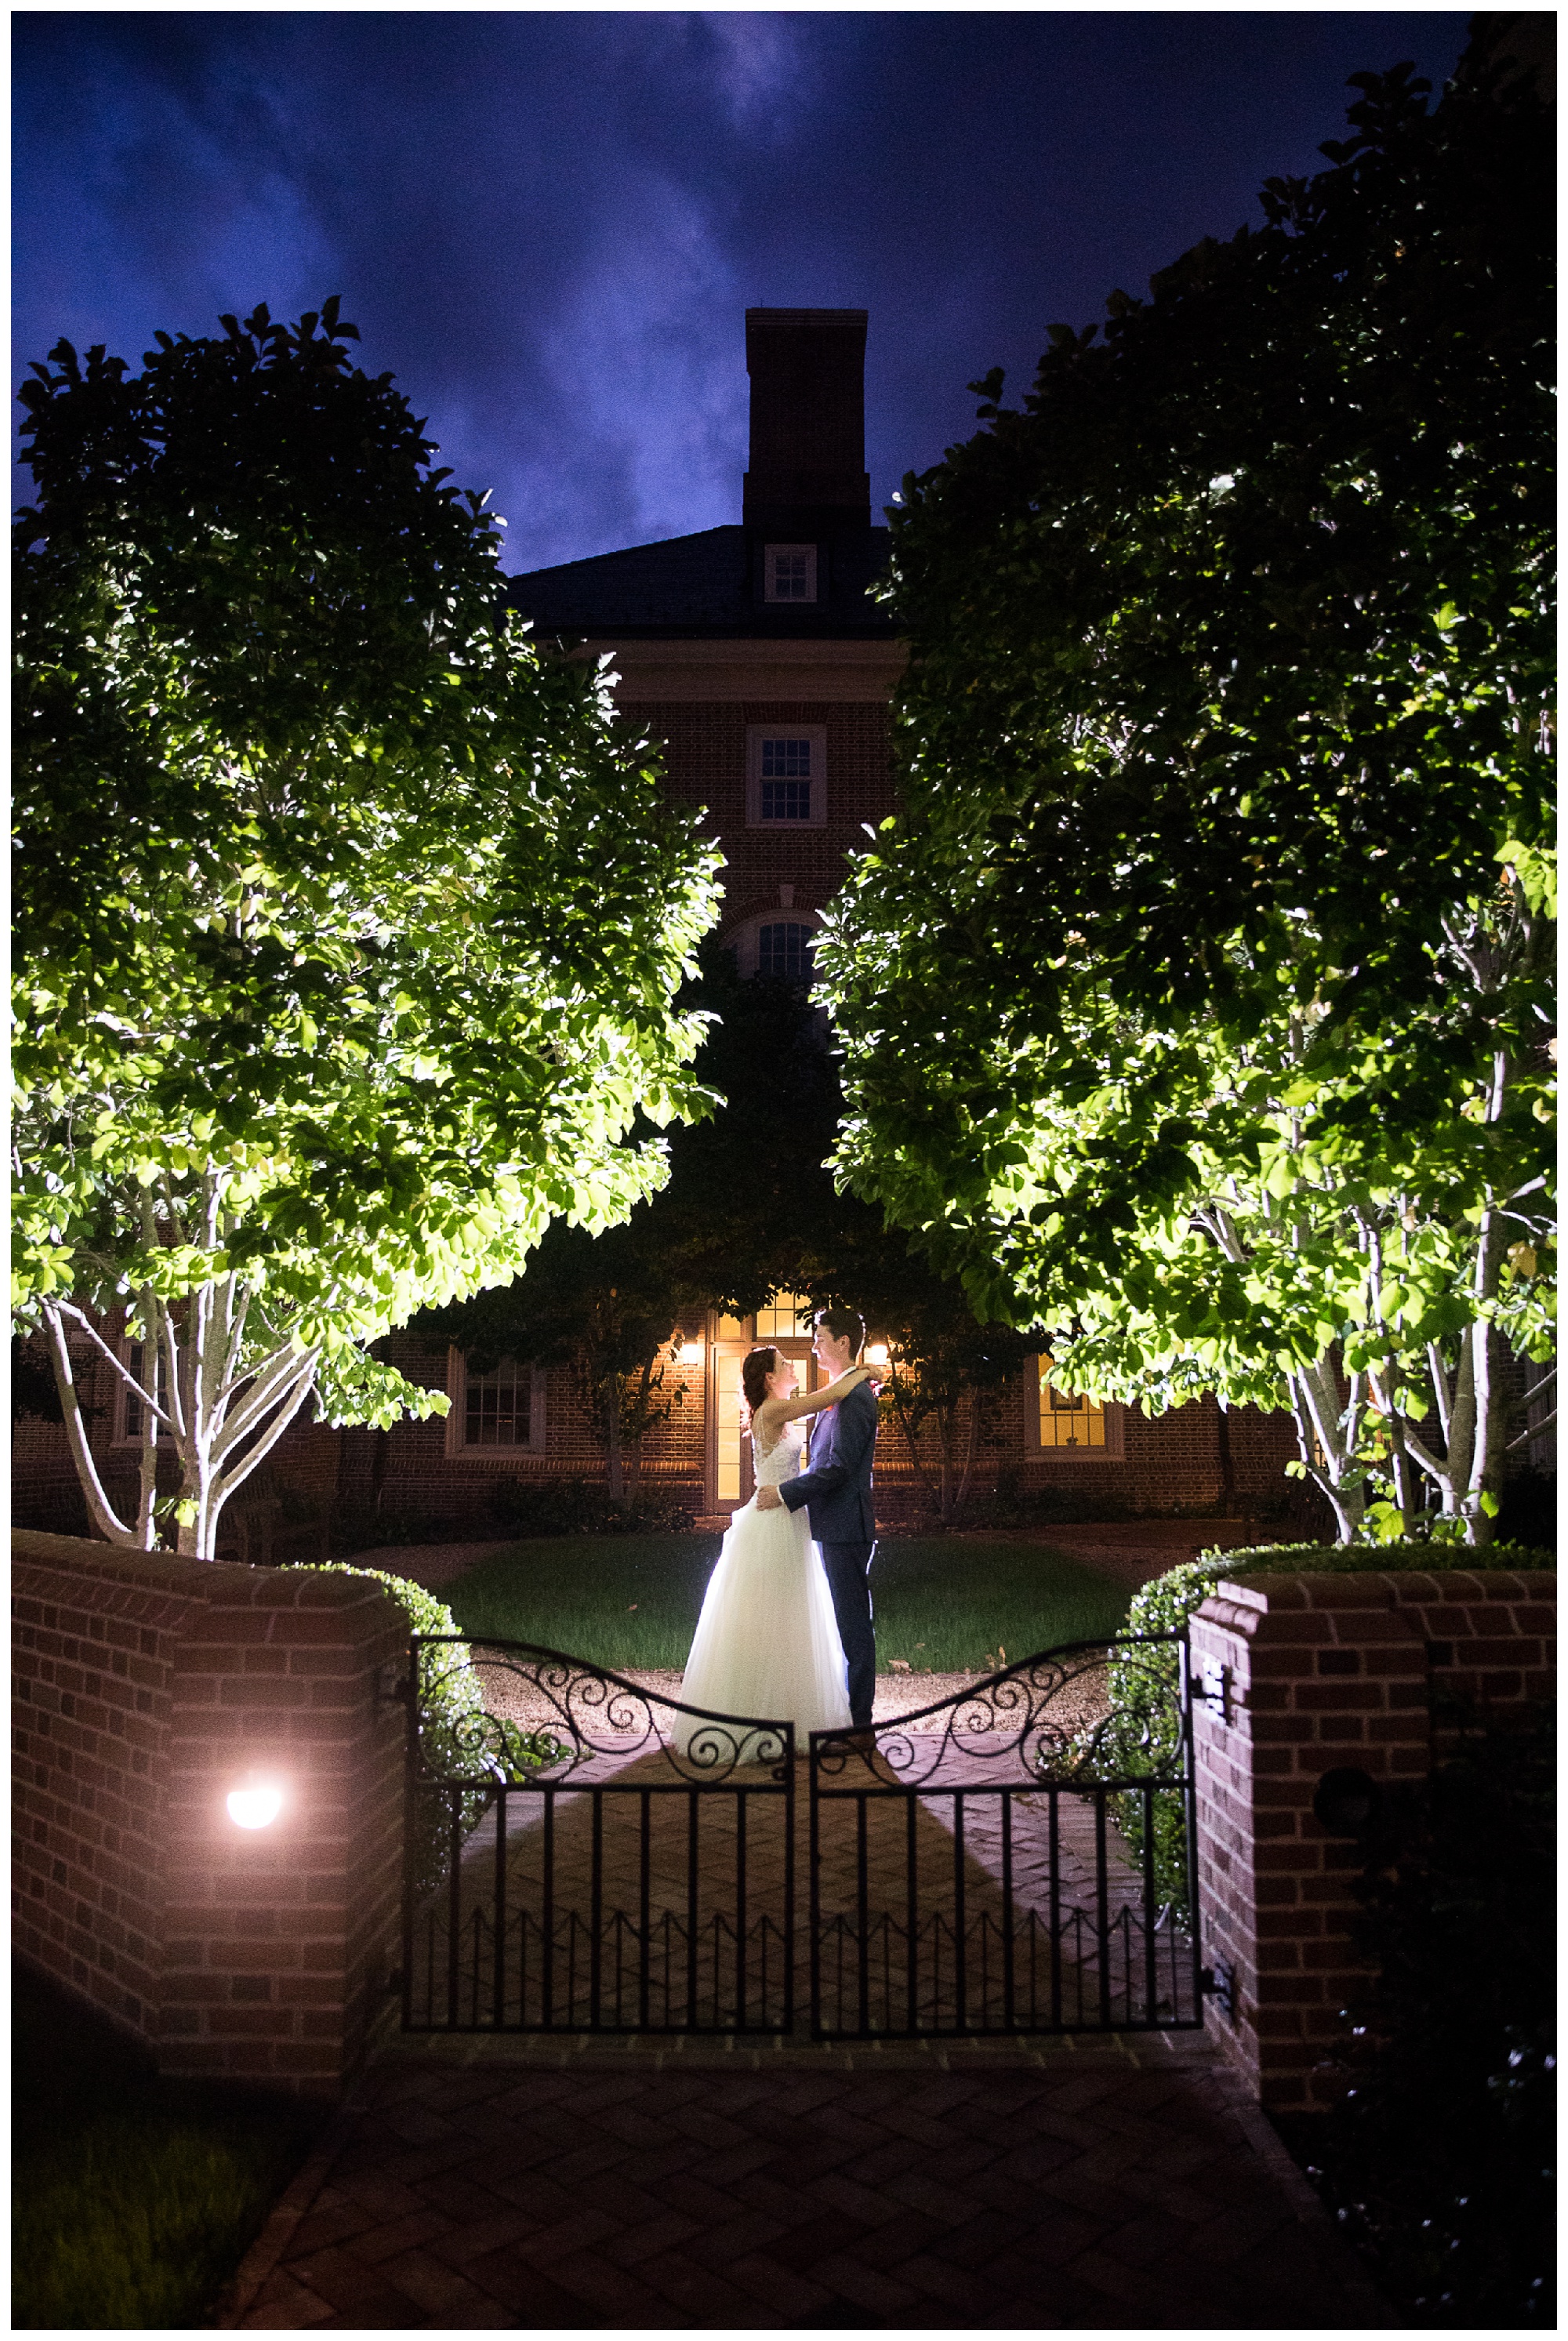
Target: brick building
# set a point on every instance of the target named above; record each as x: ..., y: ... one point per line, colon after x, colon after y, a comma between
x: 756, y: 656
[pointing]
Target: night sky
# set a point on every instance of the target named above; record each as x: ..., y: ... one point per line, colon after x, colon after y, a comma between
x: 548, y: 226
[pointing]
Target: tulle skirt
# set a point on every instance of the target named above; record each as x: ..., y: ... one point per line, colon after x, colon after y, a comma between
x: 767, y: 1641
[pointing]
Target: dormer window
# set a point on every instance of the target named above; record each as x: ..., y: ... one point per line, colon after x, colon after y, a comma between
x: 789, y: 572
x: 786, y: 779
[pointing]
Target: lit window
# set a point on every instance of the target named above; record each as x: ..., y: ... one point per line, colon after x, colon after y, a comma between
x: 789, y: 572
x: 787, y: 1317
x: 1066, y: 1418
x: 784, y: 948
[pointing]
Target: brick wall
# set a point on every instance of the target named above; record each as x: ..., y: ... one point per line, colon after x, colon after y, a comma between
x: 1302, y: 1675
x: 147, y: 1687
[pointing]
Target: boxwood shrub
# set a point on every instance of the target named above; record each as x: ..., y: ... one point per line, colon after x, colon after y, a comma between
x: 451, y: 1734
x: 1142, y: 1734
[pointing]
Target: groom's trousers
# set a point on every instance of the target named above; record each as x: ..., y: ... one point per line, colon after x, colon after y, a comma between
x: 848, y: 1568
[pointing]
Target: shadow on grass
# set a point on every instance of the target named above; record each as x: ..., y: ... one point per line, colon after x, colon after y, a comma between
x: 133, y: 2198
x: 944, y: 1605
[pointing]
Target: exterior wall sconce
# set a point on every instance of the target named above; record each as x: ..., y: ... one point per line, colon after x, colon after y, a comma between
x: 876, y: 1353
x: 690, y: 1353
x: 255, y: 1804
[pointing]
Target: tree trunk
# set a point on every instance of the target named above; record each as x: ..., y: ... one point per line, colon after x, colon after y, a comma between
x: 971, y: 1452
x: 612, y: 1386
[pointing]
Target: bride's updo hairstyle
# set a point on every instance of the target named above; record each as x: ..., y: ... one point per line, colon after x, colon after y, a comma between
x: 756, y: 1368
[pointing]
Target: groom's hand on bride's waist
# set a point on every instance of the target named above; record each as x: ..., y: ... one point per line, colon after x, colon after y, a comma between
x: 769, y: 1500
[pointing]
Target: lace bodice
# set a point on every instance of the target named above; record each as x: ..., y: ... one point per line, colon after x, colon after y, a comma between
x: 782, y: 1462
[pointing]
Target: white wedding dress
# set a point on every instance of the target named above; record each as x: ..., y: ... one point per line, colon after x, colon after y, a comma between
x: 767, y: 1643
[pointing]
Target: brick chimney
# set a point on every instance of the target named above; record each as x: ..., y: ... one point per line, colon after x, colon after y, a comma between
x: 807, y: 475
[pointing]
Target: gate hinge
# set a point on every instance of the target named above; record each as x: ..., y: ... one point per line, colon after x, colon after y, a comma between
x: 1219, y: 1983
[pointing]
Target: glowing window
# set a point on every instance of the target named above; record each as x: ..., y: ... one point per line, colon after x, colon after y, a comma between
x: 1067, y: 1419
x: 786, y: 1318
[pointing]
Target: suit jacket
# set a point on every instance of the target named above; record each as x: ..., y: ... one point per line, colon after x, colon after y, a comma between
x: 837, y: 1481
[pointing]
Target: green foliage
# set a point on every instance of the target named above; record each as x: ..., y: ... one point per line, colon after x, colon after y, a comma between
x: 133, y: 2198
x: 1143, y: 1698
x: 349, y: 925
x: 1196, y: 1006
x: 457, y: 1734
x: 1441, y: 2160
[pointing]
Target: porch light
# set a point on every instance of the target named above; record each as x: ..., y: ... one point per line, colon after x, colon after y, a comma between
x: 876, y: 1353
x: 255, y: 1804
x: 690, y: 1353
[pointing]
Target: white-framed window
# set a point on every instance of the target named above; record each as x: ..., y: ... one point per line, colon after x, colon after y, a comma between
x: 786, y: 776
x: 789, y: 572
x: 141, y: 1358
x: 494, y: 1414
x: 1067, y: 1425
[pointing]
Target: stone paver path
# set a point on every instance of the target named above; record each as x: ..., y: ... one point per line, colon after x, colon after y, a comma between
x: 536, y: 2186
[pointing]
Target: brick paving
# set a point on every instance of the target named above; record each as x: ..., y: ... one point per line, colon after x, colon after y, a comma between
x: 628, y: 2184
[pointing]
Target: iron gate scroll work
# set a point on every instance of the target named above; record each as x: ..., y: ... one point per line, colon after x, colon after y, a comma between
x: 569, y: 1867
x: 1004, y: 1862
x: 1020, y: 1859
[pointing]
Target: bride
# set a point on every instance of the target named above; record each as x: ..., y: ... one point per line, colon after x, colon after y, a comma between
x: 767, y: 1644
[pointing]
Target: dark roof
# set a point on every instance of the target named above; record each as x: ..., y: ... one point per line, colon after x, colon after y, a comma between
x: 707, y: 585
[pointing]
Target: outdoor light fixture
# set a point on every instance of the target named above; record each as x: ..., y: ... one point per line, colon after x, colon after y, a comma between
x: 690, y: 1353
x: 255, y: 1804
x: 876, y: 1353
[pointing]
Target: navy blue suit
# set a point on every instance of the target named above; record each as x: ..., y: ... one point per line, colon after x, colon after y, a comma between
x: 837, y: 1485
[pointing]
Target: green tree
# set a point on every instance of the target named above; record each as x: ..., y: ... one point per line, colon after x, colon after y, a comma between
x: 1196, y: 1006
x: 348, y: 926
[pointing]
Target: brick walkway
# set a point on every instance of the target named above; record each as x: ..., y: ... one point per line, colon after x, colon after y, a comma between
x: 528, y: 2185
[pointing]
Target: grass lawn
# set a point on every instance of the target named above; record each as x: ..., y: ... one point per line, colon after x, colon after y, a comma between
x: 133, y: 2198
x: 632, y: 1601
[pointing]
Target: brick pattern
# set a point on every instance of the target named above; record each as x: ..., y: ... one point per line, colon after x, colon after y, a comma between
x: 148, y: 1686
x: 1076, y: 2189
x: 1314, y: 1672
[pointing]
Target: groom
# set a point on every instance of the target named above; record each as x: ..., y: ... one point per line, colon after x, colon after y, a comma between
x: 836, y: 1484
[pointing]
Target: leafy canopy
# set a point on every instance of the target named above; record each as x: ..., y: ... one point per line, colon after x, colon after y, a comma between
x: 348, y: 927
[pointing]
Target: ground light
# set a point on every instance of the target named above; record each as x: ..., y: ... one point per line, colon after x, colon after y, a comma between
x: 255, y: 1803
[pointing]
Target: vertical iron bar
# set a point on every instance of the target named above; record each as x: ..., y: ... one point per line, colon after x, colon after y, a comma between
x: 740, y: 1910
x: 1055, y: 1796
x: 691, y: 1909
x: 1190, y: 1816
x: 1009, y: 2015
x: 596, y: 1912
x: 912, y: 1912
x: 1151, y: 1955
x: 960, y: 1968
x: 862, y: 1914
x: 547, y: 1974
x: 813, y: 1888
x: 1102, y: 1908
x: 788, y: 2025
x: 498, y: 2017
x: 453, y: 1904
x: 645, y: 1938
x: 411, y: 1800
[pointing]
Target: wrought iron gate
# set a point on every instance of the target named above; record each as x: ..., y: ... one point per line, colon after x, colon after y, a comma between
x: 1018, y: 1858
x: 582, y: 1855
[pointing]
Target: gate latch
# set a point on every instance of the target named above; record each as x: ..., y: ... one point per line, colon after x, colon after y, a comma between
x: 1214, y: 1688
x: 1219, y: 1983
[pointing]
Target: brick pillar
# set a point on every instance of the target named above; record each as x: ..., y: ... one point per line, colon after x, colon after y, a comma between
x: 148, y: 1688
x: 1301, y: 1675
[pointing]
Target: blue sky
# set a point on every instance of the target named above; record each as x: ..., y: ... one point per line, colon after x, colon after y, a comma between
x: 548, y: 226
